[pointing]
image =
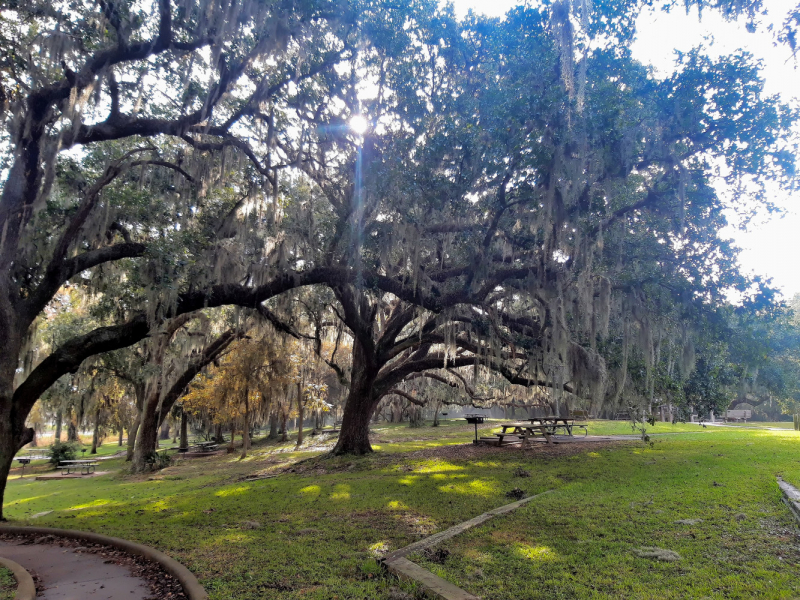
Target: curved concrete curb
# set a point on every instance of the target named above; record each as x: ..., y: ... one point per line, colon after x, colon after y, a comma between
x: 26, y: 590
x: 191, y: 587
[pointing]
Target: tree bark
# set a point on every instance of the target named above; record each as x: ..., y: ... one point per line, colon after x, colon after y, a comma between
x: 184, y: 445
x: 72, y: 432
x: 359, y: 406
x: 96, y: 433
x: 300, y: 408
x: 246, y: 428
x: 273, y: 425
x: 59, y: 418
x: 133, y: 432
x: 121, y: 430
x: 146, y: 439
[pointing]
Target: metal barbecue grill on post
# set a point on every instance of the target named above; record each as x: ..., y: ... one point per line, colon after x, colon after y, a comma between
x: 475, y: 419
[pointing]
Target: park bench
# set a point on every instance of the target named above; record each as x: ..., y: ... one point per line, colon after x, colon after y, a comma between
x: 579, y: 415
x: 738, y: 415
x: 86, y: 467
x: 622, y: 416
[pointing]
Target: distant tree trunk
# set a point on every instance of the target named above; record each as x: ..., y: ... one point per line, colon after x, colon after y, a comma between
x: 283, y: 432
x: 246, y: 428
x: 273, y: 425
x: 436, y: 410
x: 218, y: 434
x: 96, y: 433
x: 133, y: 431
x: 184, y: 431
x: 72, y: 432
x: 164, y: 430
x: 300, y: 409
x: 233, y: 435
x: 59, y: 418
x: 120, y: 435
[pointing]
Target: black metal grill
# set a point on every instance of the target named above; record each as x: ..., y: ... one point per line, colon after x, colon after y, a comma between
x: 474, y: 420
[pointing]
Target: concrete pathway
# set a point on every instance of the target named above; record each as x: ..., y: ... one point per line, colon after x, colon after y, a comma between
x: 69, y: 575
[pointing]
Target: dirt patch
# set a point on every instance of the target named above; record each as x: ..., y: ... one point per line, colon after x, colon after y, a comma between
x: 163, y: 586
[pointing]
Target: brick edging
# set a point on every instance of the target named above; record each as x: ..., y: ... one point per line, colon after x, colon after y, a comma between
x: 189, y: 583
x: 26, y: 590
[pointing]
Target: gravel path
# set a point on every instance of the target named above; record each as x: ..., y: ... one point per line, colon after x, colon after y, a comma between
x: 67, y: 573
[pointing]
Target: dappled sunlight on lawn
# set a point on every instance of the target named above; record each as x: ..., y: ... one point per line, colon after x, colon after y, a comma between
x: 397, y: 505
x: 539, y: 553
x: 437, y: 466
x: 476, y: 487
x: 409, y: 480
x: 94, y: 504
x: 233, y: 491
x: 310, y: 490
x: 340, y: 492
x: 31, y: 499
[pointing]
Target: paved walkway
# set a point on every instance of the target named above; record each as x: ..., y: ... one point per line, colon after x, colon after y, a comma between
x: 69, y: 575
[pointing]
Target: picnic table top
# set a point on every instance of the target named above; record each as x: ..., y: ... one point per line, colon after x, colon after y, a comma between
x: 552, y: 419
x: 86, y: 460
x: 205, y: 443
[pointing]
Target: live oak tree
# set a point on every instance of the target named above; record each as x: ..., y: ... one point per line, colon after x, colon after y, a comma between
x: 77, y: 77
x: 500, y: 162
x: 567, y: 189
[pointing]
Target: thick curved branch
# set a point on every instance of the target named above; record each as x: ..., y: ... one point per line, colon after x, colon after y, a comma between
x: 408, y: 397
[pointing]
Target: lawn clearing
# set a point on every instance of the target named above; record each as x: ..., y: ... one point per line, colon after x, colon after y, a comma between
x: 315, y: 527
x: 8, y: 585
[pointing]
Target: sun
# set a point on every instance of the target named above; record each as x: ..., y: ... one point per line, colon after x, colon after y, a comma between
x: 359, y: 124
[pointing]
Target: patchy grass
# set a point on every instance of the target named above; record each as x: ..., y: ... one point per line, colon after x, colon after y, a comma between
x: 582, y: 540
x: 315, y: 527
x: 8, y: 585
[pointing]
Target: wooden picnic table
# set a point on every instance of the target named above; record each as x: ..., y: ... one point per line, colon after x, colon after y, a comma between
x: 87, y: 465
x: 522, y: 431
x: 555, y: 423
x: 206, y: 446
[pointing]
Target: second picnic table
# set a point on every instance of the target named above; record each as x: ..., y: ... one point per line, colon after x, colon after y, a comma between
x: 206, y: 446
x: 554, y: 423
x: 88, y: 466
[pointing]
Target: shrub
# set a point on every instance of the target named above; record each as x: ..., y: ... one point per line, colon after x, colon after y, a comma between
x: 157, y: 461
x: 61, y: 451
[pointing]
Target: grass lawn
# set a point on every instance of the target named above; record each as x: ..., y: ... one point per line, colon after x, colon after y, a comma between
x: 8, y: 585
x: 314, y: 529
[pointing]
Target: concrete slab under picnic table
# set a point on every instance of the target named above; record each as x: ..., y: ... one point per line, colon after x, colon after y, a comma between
x: 67, y: 574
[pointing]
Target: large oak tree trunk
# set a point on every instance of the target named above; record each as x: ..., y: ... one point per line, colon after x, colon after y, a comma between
x: 147, y: 438
x: 13, y: 433
x: 359, y: 406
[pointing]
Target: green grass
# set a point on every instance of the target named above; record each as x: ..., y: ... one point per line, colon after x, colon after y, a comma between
x: 8, y: 585
x: 320, y: 528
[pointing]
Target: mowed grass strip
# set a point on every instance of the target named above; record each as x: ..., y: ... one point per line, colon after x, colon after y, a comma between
x: 316, y: 532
